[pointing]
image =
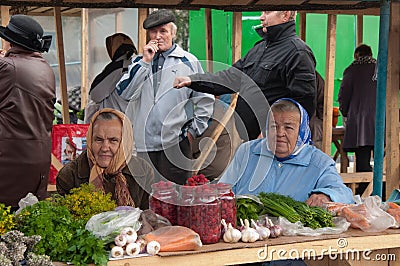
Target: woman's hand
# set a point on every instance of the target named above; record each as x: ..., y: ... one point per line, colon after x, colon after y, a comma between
x: 318, y: 199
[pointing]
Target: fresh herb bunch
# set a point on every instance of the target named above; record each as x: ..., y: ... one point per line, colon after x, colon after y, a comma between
x: 280, y: 205
x: 85, y: 201
x: 63, y: 237
x: 6, y: 219
x: 247, y: 209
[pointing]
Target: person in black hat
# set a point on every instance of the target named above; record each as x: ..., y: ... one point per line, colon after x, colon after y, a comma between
x: 165, y: 120
x: 27, y: 93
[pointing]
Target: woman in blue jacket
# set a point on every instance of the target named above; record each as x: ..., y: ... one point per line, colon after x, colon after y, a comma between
x: 285, y: 162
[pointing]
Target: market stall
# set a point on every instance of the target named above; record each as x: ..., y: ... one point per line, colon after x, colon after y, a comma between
x: 325, y: 245
x: 383, y: 242
x: 354, y: 247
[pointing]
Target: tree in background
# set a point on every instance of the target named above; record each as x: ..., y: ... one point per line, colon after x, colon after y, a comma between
x: 182, y: 22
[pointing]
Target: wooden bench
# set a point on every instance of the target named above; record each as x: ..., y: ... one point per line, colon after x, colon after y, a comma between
x: 353, y: 179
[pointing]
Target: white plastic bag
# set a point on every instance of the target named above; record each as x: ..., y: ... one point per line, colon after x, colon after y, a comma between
x: 29, y: 200
x: 107, y: 225
x: 368, y: 215
x: 297, y: 228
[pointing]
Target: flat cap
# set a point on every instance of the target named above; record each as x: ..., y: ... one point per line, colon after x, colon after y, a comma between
x: 157, y: 18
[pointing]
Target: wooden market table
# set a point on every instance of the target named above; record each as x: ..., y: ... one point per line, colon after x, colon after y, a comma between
x: 352, y: 247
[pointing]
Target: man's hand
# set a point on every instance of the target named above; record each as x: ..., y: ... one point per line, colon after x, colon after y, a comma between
x: 318, y: 199
x: 2, y: 52
x: 149, y: 50
x: 180, y: 82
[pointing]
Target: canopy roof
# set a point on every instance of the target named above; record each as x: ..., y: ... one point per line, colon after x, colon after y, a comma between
x: 71, y: 7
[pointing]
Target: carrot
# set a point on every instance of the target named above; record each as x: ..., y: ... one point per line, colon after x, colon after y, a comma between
x: 335, y: 207
x: 393, y: 205
x: 355, y: 219
x: 175, y: 238
x: 395, y: 213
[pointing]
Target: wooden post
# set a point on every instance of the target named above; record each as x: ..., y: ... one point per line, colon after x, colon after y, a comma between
x: 360, y: 27
x: 209, y: 47
x: 85, y: 58
x: 237, y: 36
x: 302, y: 28
x: 392, y: 97
x: 5, y: 18
x: 118, y: 21
x: 61, y: 65
x: 329, y: 84
x: 142, y: 39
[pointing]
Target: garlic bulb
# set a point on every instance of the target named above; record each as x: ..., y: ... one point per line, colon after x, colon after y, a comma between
x: 153, y: 247
x: 117, y: 252
x: 120, y: 240
x: 264, y: 232
x: 130, y: 234
x: 132, y: 249
x: 231, y: 235
x: 276, y: 230
x: 249, y: 234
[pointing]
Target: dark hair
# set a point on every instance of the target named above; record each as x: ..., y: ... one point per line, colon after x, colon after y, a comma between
x: 363, y: 50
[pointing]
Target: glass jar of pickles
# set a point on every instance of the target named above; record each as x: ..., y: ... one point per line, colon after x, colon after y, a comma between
x: 163, y: 200
x: 205, y: 216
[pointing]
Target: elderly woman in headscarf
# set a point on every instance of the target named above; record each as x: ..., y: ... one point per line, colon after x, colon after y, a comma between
x: 102, y: 93
x: 285, y: 162
x: 108, y: 162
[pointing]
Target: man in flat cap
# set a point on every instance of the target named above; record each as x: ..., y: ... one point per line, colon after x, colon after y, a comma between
x: 165, y: 120
x: 27, y: 93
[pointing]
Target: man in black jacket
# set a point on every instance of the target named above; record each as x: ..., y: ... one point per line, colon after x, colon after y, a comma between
x: 280, y: 65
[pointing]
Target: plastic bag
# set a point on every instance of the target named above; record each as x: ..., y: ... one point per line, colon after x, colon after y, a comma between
x: 297, y: 228
x: 368, y: 216
x: 107, y: 225
x: 394, y: 210
x: 175, y: 238
x: 29, y: 200
x: 68, y: 141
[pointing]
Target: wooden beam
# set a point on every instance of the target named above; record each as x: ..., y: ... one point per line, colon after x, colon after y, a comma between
x: 302, y: 28
x: 5, y: 18
x: 329, y: 84
x: 209, y: 46
x: 392, y: 98
x: 368, y: 11
x: 61, y: 65
x: 237, y: 36
x: 142, y: 39
x: 85, y: 58
x: 360, y: 27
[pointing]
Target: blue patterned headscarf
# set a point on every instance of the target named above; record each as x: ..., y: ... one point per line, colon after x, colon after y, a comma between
x: 304, y: 137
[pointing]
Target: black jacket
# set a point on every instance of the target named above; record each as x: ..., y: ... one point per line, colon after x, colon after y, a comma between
x: 281, y: 65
